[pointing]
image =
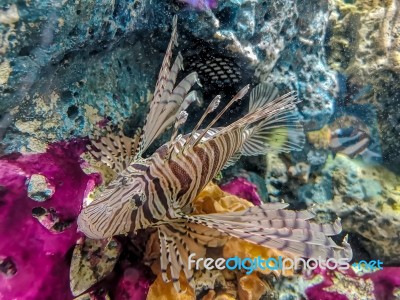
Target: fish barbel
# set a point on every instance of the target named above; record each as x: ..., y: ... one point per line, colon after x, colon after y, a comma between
x: 158, y: 191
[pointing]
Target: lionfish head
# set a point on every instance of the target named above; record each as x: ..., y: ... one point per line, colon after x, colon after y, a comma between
x: 113, y: 212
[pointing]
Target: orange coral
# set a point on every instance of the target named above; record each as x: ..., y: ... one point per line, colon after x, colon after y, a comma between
x: 214, y: 200
x: 243, y: 249
x: 212, y: 295
x: 160, y: 290
x: 251, y: 287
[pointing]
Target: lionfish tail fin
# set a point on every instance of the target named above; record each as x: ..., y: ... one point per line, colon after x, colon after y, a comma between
x: 272, y: 226
x: 280, y: 130
x: 117, y: 151
x: 180, y: 240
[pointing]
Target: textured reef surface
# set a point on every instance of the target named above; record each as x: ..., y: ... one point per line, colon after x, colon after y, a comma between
x: 69, y: 67
x: 37, y: 236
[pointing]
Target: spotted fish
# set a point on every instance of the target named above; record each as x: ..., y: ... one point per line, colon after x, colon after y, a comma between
x: 220, y: 71
x: 158, y: 191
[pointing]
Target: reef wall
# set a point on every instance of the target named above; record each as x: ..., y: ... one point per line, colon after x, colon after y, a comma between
x: 67, y: 67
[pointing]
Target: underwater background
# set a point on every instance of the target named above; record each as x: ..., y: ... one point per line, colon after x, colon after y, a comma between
x: 68, y: 67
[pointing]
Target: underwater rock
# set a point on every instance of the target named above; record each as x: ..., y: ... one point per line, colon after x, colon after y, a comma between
x: 39, y: 189
x: 38, y: 257
x: 276, y: 175
x: 283, y: 41
x: 301, y: 171
x: 75, y: 64
x: 50, y: 219
x: 317, y: 157
x: 363, y: 42
x: 5, y: 121
x: 360, y: 192
x: 345, y: 285
x: 336, y: 285
x: 92, y: 260
x: 80, y: 67
x: 243, y: 189
x: 364, y: 46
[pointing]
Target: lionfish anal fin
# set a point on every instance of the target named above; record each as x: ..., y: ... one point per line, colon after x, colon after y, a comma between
x: 177, y: 242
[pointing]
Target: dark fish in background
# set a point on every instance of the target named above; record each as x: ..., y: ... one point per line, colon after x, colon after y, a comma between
x: 350, y: 141
x: 349, y: 135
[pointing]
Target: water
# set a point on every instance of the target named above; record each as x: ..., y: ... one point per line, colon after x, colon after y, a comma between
x: 69, y: 69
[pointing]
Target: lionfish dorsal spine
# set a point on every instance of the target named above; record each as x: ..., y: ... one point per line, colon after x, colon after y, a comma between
x: 115, y: 150
x: 237, y: 97
x: 168, y: 100
x: 211, y: 107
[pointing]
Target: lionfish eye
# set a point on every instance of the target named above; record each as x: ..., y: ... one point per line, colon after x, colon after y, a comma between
x: 138, y: 199
x: 124, y: 181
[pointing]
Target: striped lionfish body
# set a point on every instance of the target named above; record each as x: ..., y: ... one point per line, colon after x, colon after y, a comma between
x: 158, y: 191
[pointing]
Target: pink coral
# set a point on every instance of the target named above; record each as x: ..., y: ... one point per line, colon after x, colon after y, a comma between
x: 132, y: 285
x: 39, y: 256
x: 384, y: 283
x: 201, y: 4
x: 242, y: 188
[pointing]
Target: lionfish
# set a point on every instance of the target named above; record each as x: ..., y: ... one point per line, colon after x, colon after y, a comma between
x: 158, y: 191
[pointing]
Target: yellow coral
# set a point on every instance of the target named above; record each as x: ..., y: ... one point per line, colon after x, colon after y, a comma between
x: 212, y: 295
x: 320, y: 138
x: 160, y: 290
x: 214, y: 200
x: 243, y: 249
x: 251, y: 287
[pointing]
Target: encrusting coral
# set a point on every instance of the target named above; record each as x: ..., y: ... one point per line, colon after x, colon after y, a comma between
x: 38, y: 255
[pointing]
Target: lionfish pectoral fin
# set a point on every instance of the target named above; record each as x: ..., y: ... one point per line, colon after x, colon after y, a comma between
x: 177, y: 242
x: 272, y: 226
x: 279, y: 130
x: 117, y: 151
x: 232, y: 160
x: 168, y: 100
x: 261, y: 95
